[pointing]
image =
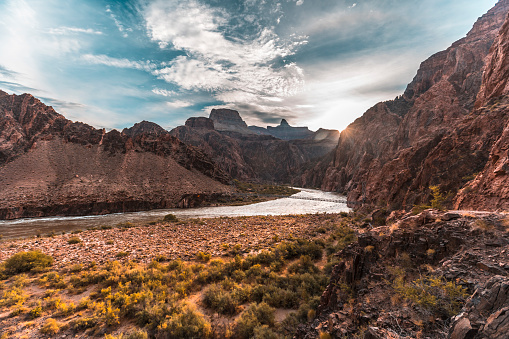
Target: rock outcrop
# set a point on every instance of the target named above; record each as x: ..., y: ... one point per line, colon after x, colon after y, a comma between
x: 371, y: 287
x: 486, y: 313
x: 52, y: 166
x: 286, y: 132
x: 243, y: 156
x: 200, y: 122
x: 253, y: 156
x: 228, y: 120
x: 399, y: 148
x: 144, y: 127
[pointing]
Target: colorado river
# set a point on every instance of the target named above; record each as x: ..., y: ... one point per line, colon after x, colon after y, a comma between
x: 32, y: 226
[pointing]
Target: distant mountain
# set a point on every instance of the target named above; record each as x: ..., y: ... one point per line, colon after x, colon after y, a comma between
x: 252, y: 153
x: 51, y: 166
x: 433, y: 134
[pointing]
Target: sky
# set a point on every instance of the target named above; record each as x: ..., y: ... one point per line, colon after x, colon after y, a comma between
x: 316, y: 63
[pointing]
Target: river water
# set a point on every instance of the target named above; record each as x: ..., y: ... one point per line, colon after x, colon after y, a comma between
x: 31, y: 226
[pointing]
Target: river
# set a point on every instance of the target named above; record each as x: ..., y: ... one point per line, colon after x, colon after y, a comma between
x: 20, y: 228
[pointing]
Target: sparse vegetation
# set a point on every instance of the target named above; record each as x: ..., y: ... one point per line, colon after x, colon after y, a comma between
x: 160, y: 297
x: 26, y: 262
x: 74, y: 240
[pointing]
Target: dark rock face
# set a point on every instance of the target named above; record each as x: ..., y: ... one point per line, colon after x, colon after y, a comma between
x: 50, y: 165
x: 255, y: 155
x: 286, y: 132
x: 200, y: 122
x: 398, y: 148
x: 245, y: 156
x: 490, y: 188
x: 228, y: 120
x: 144, y: 127
x: 486, y: 313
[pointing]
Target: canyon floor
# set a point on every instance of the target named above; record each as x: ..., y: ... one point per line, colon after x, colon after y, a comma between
x: 305, y: 276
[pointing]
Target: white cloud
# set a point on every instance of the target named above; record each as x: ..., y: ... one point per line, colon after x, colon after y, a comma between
x: 68, y: 30
x: 235, y: 69
x: 353, y: 5
x: 115, y: 62
x: 163, y: 92
x: 118, y: 23
x: 179, y: 103
x: 299, y: 2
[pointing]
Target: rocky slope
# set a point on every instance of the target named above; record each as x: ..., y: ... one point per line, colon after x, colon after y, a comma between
x: 50, y: 165
x: 409, y: 279
x: 398, y: 148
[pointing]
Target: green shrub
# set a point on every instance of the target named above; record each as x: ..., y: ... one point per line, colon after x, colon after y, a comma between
x: 74, y: 240
x: 256, y: 315
x: 433, y: 295
x: 122, y: 254
x: 225, y: 300
x: 438, y: 198
x: 184, y: 322
x: 27, y: 261
x: 170, y: 218
x: 202, y: 256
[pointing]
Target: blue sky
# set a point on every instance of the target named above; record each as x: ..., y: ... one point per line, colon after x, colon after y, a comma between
x: 319, y: 63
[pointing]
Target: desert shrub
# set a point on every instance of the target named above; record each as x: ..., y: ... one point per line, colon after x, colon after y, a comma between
x: 202, y: 256
x: 13, y: 296
x: 264, y: 332
x: 74, y: 240
x: 170, y: 218
x: 225, y: 299
x: 51, y: 326
x: 256, y: 315
x: 35, y: 312
x: 27, y: 261
x: 122, y: 254
x: 184, y: 322
x: 304, y: 265
x: 82, y: 324
x: 433, y: 295
x: 438, y: 198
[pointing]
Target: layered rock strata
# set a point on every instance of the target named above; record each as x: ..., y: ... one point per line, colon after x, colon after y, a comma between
x: 52, y: 166
x: 428, y: 136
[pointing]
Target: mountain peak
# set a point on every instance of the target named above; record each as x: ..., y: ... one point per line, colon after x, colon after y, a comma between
x: 284, y: 123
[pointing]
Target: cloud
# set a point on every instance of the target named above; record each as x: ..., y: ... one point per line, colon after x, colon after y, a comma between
x: 179, y: 103
x: 69, y: 30
x: 16, y: 87
x: 61, y: 104
x: 119, y: 63
x: 7, y: 72
x: 163, y: 92
x: 233, y: 68
x: 118, y: 23
x: 299, y: 2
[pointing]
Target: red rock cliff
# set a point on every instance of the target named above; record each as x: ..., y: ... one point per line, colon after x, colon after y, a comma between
x: 398, y: 148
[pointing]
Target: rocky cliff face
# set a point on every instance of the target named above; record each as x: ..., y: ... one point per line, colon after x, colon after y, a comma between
x: 490, y: 188
x: 243, y: 156
x: 398, y: 148
x: 228, y: 120
x: 144, y: 127
x: 50, y: 165
x: 286, y: 132
x: 256, y: 155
